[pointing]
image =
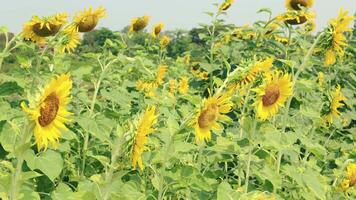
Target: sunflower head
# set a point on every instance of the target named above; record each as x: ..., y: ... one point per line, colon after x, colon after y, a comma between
x: 351, y: 174
x: 37, y: 29
x: 272, y: 94
x: 161, y: 72
x: 298, y: 4
x: 214, y: 110
x: 139, y: 23
x: 70, y: 40
x: 87, y: 19
x: 335, y: 104
x: 183, y: 86
x: 226, y: 5
x: 296, y: 17
x: 156, y: 30
x: 164, y: 41
x: 49, y: 111
x: 145, y: 127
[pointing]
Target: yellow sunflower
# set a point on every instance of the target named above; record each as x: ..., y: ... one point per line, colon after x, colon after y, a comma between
x: 139, y: 23
x: 49, y: 111
x: 350, y: 179
x: 272, y: 94
x: 161, y: 72
x: 147, y: 87
x: 207, y: 119
x: 297, y: 4
x: 226, y: 5
x: 37, y: 29
x: 172, y: 86
x: 145, y: 128
x: 70, y: 40
x: 87, y: 19
x: 156, y: 30
x: 164, y: 41
x: 336, y: 37
x: 183, y: 86
x: 296, y: 17
x: 336, y: 98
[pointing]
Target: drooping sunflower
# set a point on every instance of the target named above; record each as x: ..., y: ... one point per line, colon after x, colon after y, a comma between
x: 70, y: 40
x: 161, y: 72
x: 139, y: 23
x: 145, y: 127
x: 336, y: 102
x: 156, y: 30
x: 335, y: 38
x: 49, y: 111
x: 226, y: 5
x: 207, y: 118
x: 272, y: 94
x: 297, y: 4
x: 183, y: 85
x: 164, y: 41
x: 296, y: 17
x: 37, y: 29
x: 87, y: 19
x: 350, y: 177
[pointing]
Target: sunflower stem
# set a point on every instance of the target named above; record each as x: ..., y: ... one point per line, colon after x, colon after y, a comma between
x: 250, y: 156
x: 16, y: 177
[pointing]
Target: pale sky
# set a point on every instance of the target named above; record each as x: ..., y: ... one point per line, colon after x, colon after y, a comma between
x: 175, y: 14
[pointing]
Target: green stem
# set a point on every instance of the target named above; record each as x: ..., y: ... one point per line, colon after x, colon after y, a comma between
x: 250, y: 156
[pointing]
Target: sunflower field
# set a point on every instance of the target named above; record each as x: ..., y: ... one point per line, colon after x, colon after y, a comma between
x: 264, y: 111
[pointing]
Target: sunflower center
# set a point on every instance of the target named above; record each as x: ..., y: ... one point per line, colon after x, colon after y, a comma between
x: 296, y: 4
x: 44, y: 31
x: 208, y: 116
x: 271, y: 96
x: 88, y: 24
x: 48, y: 110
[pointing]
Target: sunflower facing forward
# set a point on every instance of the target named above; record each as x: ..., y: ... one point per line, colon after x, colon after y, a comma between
x: 145, y: 128
x: 207, y: 119
x: 49, y: 111
x: 139, y: 23
x: 272, y: 94
x: 87, y: 19
x: 298, y: 4
x: 37, y: 29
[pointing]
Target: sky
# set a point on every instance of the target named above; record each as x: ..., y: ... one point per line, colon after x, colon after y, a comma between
x: 176, y: 14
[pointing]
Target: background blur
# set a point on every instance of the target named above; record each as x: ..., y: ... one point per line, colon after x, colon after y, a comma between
x: 182, y: 14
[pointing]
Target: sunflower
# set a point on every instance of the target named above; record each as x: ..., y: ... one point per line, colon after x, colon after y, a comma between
x: 164, y: 41
x: 139, y: 23
x: 321, y: 77
x: 336, y: 40
x: 336, y: 98
x: 272, y: 94
x: 280, y: 39
x: 37, y: 29
x: 87, y: 19
x: 297, y: 4
x: 156, y: 30
x: 226, y: 5
x: 350, y: 179
x: 145, y: 128
x: 147, y: 87
x: 214, y: 110
x: 49, y: 111
x: 296, y: 17
x: 161, y: 72
x: 172, y: 86
x: 70, y: 40
x: 183, y: 85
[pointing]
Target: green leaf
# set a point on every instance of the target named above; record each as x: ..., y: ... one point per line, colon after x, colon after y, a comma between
x: 49, y: 162
x: 9, y: 88
x: 225, y: 192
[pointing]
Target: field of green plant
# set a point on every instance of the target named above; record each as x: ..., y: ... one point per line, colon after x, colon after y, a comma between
x: 264, y: 111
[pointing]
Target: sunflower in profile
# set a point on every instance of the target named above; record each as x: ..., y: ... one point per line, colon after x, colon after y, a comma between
x: 350, y: 177
x: 139, y: 23
x: 335, y: 40
x: 69, y: 41
x: 272, y: 94
x: 156, y: 30
x: 164, y: 41
x: 296, y: 17
x: 298, y: 4
x: 226, y: 5
x: 336, y: 102
x: 37, y: 29
x: 49, y: 112
x: 87, y: 19
x: 145, y: 127
x: 207, y: 119
x: 183, y: 85
x: 161, y: 72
